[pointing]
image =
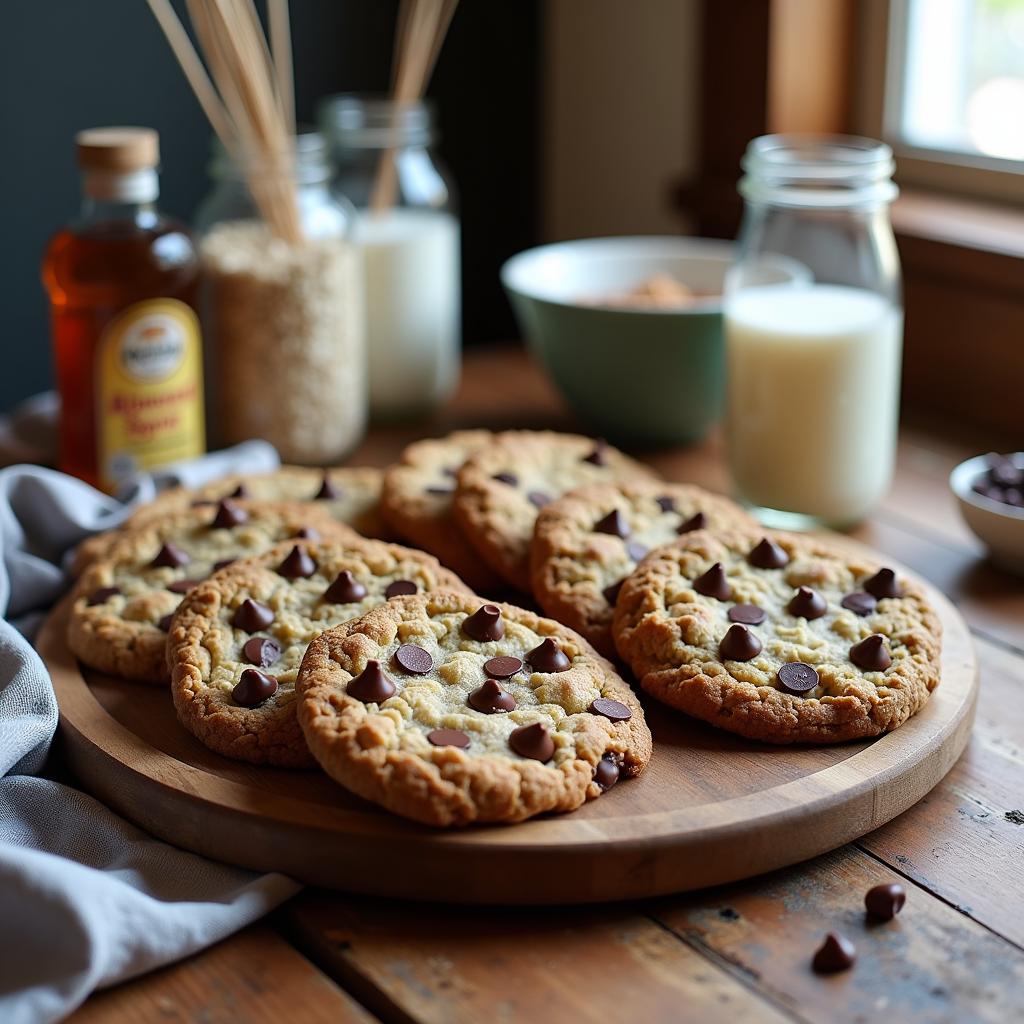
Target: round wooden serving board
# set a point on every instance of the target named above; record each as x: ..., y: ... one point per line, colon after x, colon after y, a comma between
x: 711, y: 808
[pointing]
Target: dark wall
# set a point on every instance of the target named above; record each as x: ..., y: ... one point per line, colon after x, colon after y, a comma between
x: 71, y: 64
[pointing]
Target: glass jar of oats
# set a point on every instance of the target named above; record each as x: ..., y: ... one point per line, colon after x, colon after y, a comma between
x: 284, y: 319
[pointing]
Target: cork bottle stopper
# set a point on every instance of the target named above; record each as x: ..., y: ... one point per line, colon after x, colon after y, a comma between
x: 118, y: 150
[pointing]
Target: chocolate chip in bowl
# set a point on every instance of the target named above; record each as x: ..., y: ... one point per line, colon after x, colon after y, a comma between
x: 990, y: 492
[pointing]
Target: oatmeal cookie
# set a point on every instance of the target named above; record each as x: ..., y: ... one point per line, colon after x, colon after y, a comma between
x: 416, y: 501
x: 449, y: 711
x: 349, y: 493
x: 123, y: 603
x: 236, y: 642
x: 503, y: 486
x: 780, y: 638
x: 586, y: 543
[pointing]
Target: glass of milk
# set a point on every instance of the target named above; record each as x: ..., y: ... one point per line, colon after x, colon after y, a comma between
x: 410, y: 246
x: 813, y: 328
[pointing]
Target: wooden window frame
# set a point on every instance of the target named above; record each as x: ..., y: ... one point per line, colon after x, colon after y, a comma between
x: 880, y: 45
x: 768, y: 67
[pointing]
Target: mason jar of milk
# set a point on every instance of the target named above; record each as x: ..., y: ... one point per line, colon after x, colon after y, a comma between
x: 813, y: 327
x: 409, y: 235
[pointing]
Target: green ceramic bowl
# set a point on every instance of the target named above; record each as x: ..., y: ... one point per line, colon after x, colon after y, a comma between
x: 646, y: 377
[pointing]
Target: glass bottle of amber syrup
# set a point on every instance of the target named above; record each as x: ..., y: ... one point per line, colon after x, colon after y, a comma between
x: 123, y: 286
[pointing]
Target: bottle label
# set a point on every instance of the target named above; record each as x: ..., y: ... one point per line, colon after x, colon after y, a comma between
x: 149, y: 388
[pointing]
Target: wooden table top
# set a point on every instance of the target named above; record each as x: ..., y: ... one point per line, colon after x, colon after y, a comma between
x: 740, y: 952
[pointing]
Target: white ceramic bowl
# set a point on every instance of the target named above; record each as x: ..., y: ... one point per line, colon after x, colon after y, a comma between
x: 1000, y: 527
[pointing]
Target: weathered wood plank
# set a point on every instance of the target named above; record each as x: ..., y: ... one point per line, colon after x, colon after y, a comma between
x: 442, y: 965
x: 255, y: 977
x: 960, y: 840
x: 930, y: 964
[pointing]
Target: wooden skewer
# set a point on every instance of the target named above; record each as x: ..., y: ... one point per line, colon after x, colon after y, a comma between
x: 419, y: 36
x: 281, y: 49
x: 250, y: 100
x: 193, y: 68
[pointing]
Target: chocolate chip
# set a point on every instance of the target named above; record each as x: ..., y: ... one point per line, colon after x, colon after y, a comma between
x: 1002, y: 471
x: 636, y: 551
x: 228, y: 515
x: 328, y: 490
x: 797, y: 677
x: 606, y: 774
x: 261, y: 650
x: 713, y: 583
x: 837, y: 953
x: 871, y: 654
x: 666, y: 503
x: 440, y: 491
x: 859, y: 603
x: 748, y: 614
x: 532, y: 741
x: 613, y: 523
x: 307, y: 533
x: 613, y: 710
x: 102, y: 595
x: 696, y: 522
x: 182, y: 586
x: 452, y: 471
x: 491, y: 698
x: 884, y: 902
x: 506, y: 478
x: 548, y: 657
x: 502, y: 668
x: 883, y: 584
x: 539, y: 498
x: 165, y: 623
x: 400, y: 588
x: 414, y: 659
x: 171, y: 556
x: 251, y: 616
x: 223, y: 564
x: 448, y: 738
x: 597, y: 457
x: 766, y: 554
x: 807, y: 603
x: 299, y: 564
x: 254, y: 687
x: 371, y: 686
x: 201, y: 502
x: 484, y: 624
x: 611, y: 594
x: 739, y: 644
x: 241, y: 491
x: 346, y: 589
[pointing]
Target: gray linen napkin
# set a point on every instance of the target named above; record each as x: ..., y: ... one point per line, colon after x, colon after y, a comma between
x: 87, y: 900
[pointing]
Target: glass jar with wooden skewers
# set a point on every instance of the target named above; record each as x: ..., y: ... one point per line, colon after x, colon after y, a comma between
x: 284, y: 297
x: 410, y: 250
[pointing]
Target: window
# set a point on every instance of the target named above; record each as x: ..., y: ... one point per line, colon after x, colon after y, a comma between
x: 952, y: 91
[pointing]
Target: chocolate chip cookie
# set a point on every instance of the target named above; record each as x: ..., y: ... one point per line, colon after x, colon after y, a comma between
x: 124, y: 602
x: 586, y: 543
x: 350, y: 494
x: 449, y: 711
x: 416, y: 501
x: 780, y: 638
x: 238, y: 638
x: 502, y: 487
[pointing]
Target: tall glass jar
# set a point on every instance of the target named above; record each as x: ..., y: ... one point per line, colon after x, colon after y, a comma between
x: 813, y: 327
x: 285, y: 323
x: 410, y: 239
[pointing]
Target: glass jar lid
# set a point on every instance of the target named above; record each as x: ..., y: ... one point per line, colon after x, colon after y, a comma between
x: 311, y: 164
x: 823, y: 171
x: 376, y: 122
